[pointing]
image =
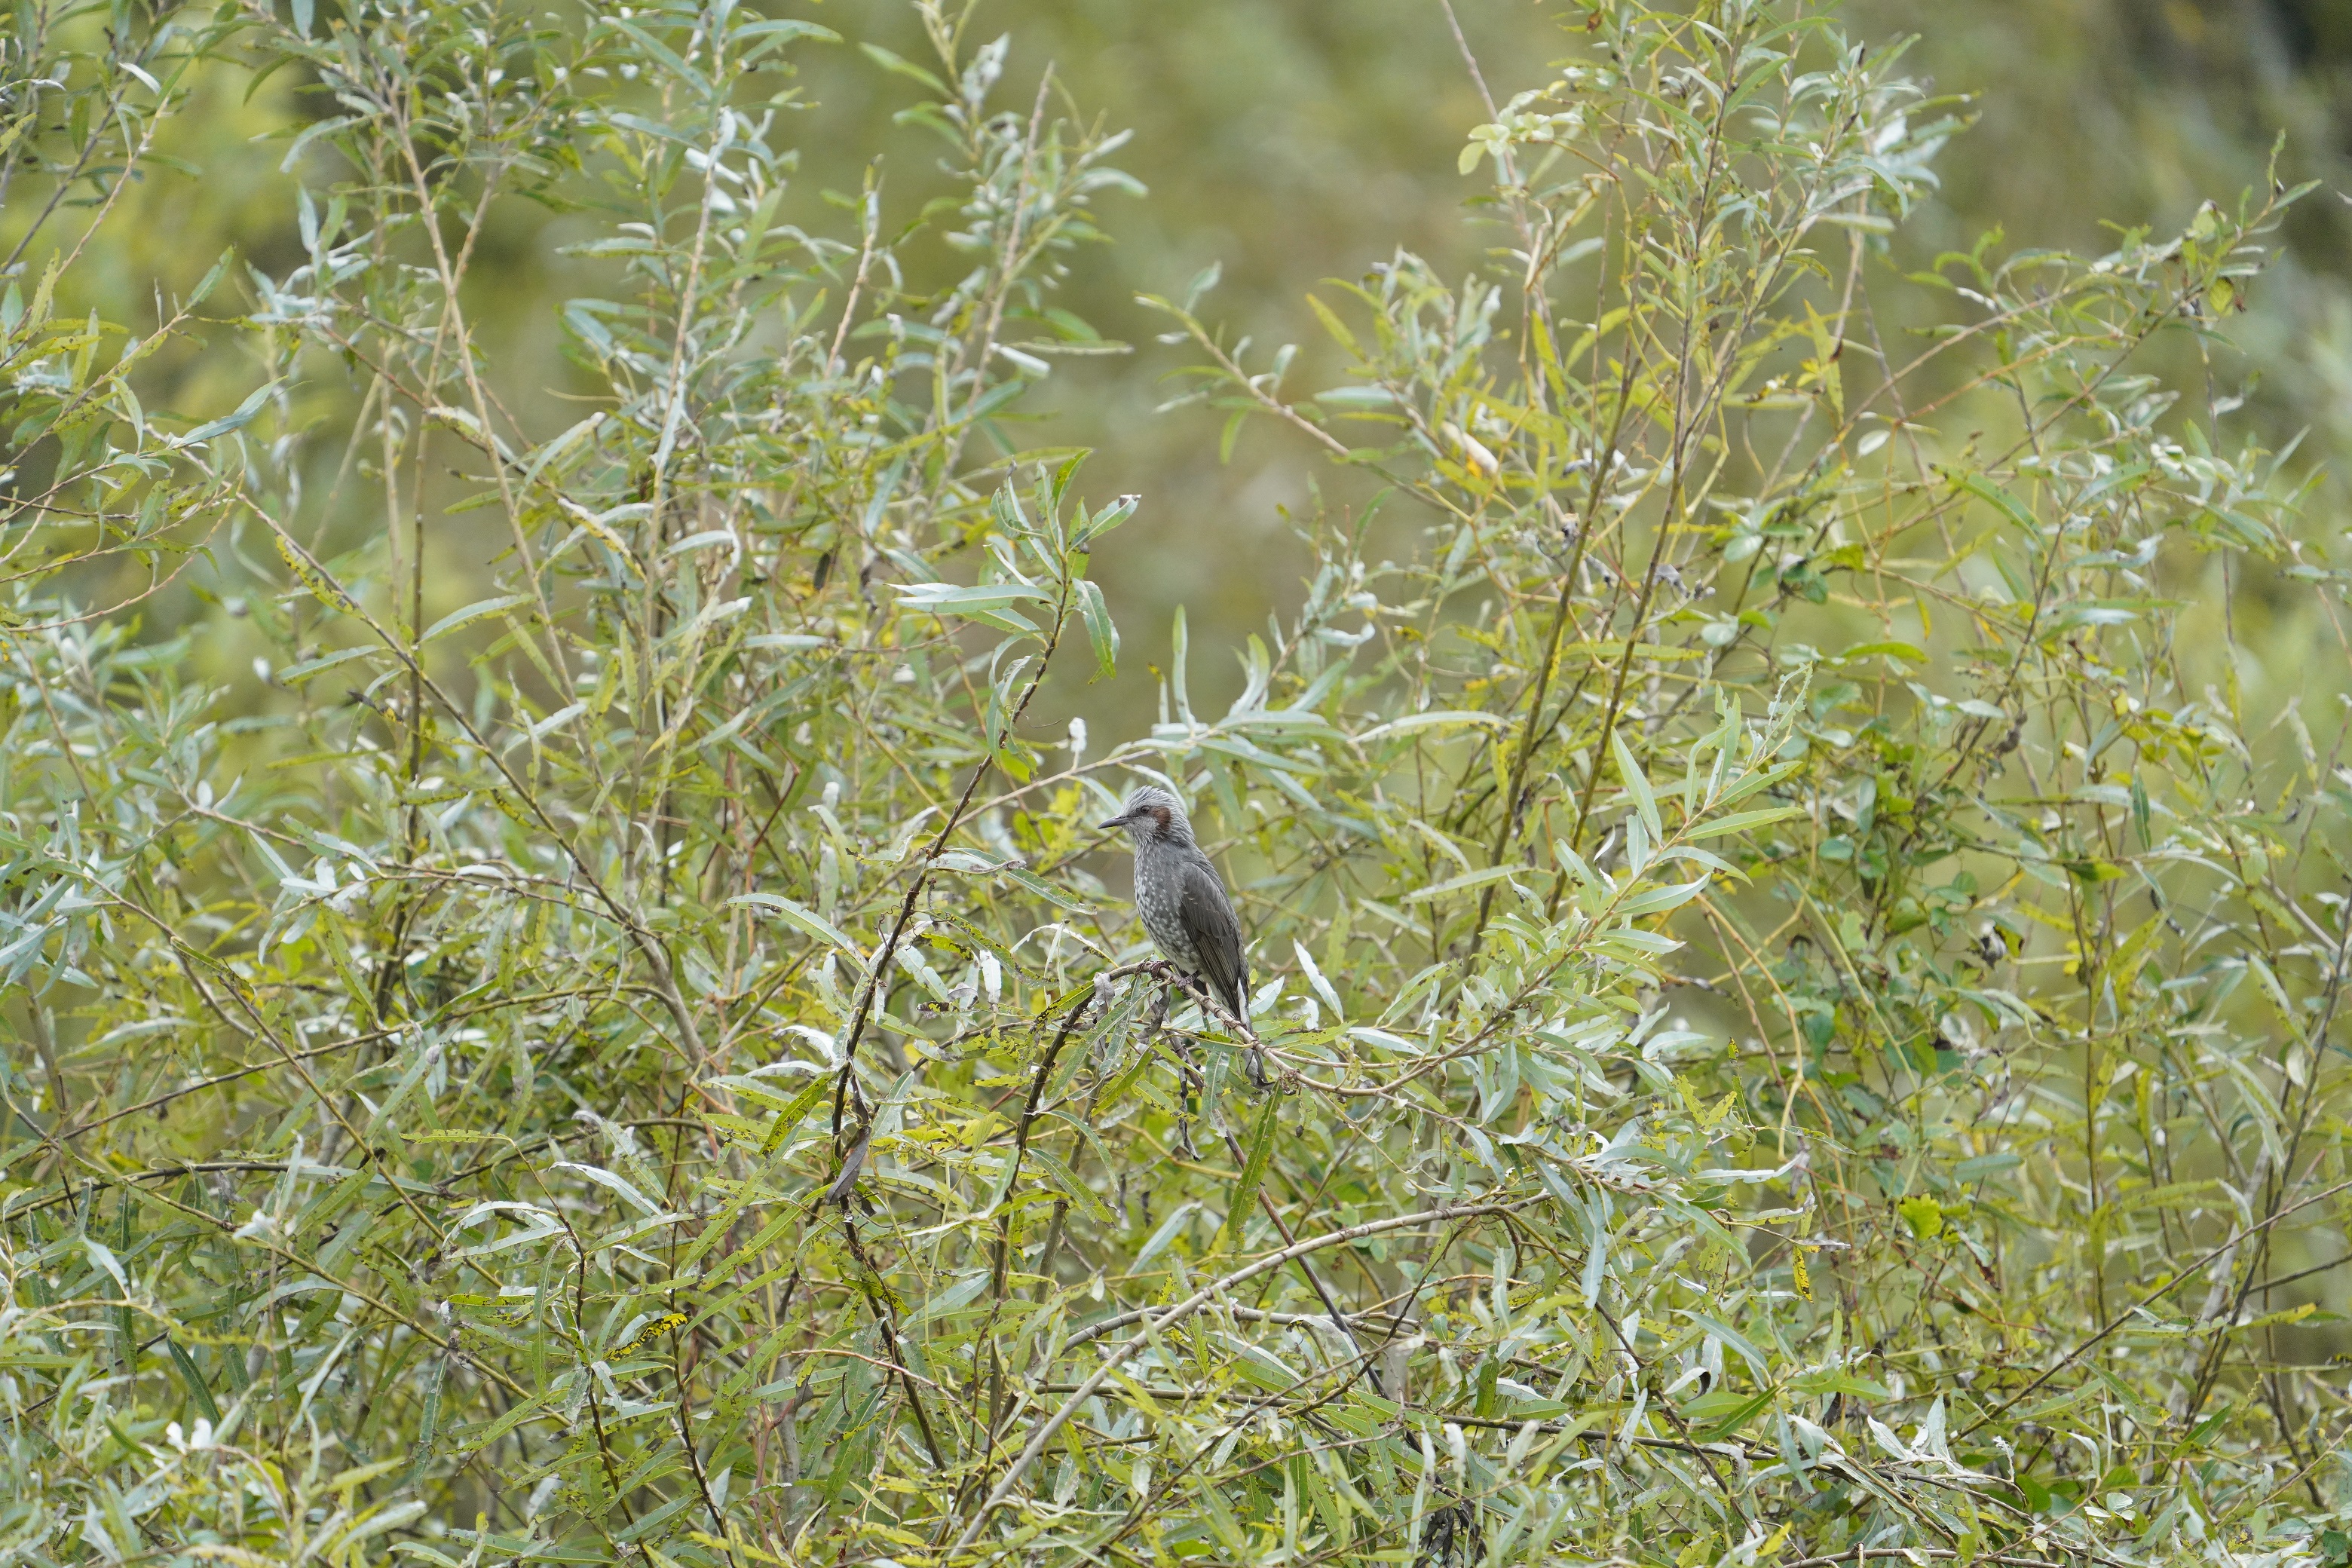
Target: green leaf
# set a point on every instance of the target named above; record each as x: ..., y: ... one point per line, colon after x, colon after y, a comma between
x: 897, y: 65
x: 791, y: 1115
x: 1462, y: 883
x: 1740, y: 821
x: 1038, y: 885
x: 802, y: 919
x: 1715, y: 1416
x: 773, y: 33
x: 481, y: 609
x: 1637, y: 786
x: 1336, y: 327
x: 1108, y: 518
x: 244, y: 415
x: 306, y: 571
x: 1657, y: 899
x: 1242, y: 1202
x: 989, y: 604
x: 1908, y: 652
x: 1100, y: 631
x: 294, y: 673
x: 198, y: 1390
x: 2008, y: 505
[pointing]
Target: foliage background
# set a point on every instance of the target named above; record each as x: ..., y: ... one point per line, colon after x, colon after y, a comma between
x: 1288, y: 145
x: 1295, y: 143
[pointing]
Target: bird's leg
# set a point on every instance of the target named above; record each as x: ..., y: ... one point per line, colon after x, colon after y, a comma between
x: 1212, y: 1011
x: 1156, y: 1021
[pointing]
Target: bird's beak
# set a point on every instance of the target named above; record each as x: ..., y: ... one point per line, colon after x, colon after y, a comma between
x: 1118, y: 821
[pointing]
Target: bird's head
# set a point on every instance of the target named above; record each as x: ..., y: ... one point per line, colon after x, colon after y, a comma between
x: 1152, y: 816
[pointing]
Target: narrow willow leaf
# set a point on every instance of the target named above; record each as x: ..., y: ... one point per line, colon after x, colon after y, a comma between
x: 1630, y: 772
x: 1242, y: 1202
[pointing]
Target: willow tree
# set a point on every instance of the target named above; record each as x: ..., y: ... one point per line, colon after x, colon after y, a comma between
x: 1799, y: 982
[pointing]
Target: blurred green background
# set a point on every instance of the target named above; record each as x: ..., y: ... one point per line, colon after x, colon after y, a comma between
x: 1296, y: 141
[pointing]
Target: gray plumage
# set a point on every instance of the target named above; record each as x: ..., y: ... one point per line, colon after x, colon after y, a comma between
x: 1180, y: 899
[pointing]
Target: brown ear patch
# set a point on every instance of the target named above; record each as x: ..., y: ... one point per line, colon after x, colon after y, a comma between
x: 1159, y: 814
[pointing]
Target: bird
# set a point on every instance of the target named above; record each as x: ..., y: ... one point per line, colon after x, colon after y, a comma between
x: 1181, y: 899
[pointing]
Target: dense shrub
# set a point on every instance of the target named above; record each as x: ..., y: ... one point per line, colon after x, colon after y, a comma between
x: 1801, y: 1004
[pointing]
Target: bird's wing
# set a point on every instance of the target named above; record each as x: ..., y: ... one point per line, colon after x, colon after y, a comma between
x: 1216, y: 936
